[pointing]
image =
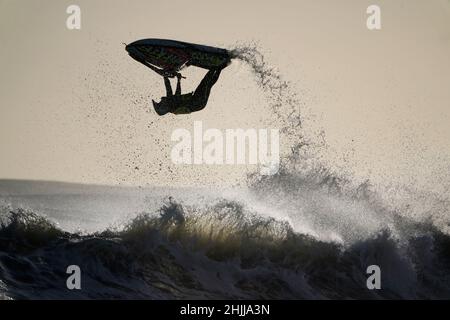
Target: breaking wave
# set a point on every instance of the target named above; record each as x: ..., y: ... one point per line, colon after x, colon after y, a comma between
x: 222, y: 250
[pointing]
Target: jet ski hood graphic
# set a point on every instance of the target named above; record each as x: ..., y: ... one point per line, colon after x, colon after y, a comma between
x: 170, y: 56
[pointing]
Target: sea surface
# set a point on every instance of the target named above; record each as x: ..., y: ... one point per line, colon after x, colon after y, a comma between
x: 307, y: 242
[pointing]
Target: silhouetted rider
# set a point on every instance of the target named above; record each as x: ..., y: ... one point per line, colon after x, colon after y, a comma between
x: 189, y: 102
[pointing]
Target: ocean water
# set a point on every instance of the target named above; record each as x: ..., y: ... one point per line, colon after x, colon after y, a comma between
x: 159, y: 243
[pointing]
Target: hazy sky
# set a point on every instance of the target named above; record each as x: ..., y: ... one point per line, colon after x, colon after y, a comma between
x: 75, y: 107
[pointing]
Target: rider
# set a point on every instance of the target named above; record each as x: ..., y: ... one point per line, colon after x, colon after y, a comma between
x: 189, y: 102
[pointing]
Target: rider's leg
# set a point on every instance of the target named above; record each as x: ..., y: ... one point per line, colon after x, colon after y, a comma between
x: 178, y: 90
x: 168, y: 87
x: 215, y: 77
x: 204, y: 88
